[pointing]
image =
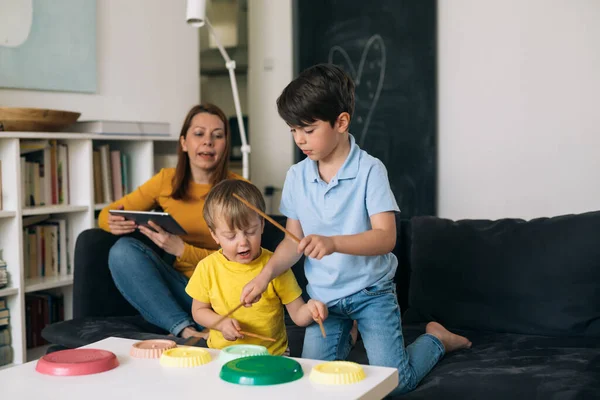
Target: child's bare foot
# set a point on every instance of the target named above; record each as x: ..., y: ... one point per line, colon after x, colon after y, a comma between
x: 191, y: 331
x: 354, y: 332
x: 451, y: 341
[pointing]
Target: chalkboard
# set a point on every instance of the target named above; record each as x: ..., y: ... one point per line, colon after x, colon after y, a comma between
x: 389, y: 48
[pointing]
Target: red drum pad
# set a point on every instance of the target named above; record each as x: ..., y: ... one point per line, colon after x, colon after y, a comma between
x: 77, y: 362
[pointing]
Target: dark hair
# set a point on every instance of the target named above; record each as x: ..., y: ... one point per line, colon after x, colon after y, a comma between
x: 321, y: 92
x: 183, y: 173
x: 220, y: 203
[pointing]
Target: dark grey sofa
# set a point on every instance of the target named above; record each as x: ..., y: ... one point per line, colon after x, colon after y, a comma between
x: 527, y: 294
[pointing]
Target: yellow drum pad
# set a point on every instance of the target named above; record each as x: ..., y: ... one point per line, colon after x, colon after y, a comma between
x: 185, y: 357
x: 337, y: 373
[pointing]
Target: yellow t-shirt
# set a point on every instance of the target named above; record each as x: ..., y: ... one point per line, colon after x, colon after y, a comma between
x: 157, y: 192
x: 219, y: 282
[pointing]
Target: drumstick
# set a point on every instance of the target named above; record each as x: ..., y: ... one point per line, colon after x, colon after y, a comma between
x: 227, y: 315
x: 321, y: 326
x: 257, y: 336
x: 265, y: 216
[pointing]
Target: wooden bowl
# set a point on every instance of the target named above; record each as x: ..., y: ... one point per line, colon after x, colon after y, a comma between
x: 35, y: 119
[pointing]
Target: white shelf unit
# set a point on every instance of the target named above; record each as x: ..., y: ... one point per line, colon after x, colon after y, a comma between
x: 80, y: 213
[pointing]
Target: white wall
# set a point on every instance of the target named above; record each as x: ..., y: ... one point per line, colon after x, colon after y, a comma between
x: 216, y: 89
x: 147, y: 66
x: 519, y: 124
x: 270, y: 69
x: 519, y: 117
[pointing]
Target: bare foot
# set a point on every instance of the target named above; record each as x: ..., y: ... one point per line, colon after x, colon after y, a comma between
x: 451, y: 341
x: 354, y: 332
x: 190, y: 331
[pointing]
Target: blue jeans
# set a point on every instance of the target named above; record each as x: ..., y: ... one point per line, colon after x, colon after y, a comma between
x: 378, y: 315
x: 152, y: 286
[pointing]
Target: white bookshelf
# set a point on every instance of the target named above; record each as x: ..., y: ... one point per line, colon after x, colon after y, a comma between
x: 142, y: 152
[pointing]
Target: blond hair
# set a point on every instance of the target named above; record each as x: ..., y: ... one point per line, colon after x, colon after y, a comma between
x: 220, y: 204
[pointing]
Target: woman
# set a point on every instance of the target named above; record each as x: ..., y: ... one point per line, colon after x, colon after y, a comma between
x: 155, y: 287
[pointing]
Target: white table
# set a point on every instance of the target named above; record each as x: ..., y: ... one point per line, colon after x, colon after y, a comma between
x: 146, y: 379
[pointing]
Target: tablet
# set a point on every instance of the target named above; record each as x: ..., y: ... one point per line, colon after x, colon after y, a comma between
x: 162, y: 219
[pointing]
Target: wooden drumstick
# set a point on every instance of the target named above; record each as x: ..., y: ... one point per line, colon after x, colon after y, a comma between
x: 227, y: 315
x: 257, y: 336
x: 265, y: 216
x: 321, y: 326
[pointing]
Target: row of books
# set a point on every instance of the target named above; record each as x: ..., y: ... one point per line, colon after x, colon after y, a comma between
x: 45, y: 170
x: 45, y: 243
x: 3, y: 272
x: 111, y: 176
x: 41, y: 309
x: 5, y: 342
x: 0, y: 184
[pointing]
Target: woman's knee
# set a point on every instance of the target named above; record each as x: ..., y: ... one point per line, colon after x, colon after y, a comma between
x: 123, y: 252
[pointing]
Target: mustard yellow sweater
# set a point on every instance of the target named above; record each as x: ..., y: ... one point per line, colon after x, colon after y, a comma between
x: 156, y: 192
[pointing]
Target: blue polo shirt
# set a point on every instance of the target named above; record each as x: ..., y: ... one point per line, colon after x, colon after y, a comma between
x: 359, y: 190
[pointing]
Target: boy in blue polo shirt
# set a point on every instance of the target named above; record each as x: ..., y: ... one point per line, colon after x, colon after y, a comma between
x: 339, y: 201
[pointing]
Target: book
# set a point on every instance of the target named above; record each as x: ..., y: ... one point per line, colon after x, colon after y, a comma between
x: 125, y: 173
x: 5, y: 337
x: 2, y: 303
x: 29, y: 146
x: 34, y: 219
x: 63, y: 174
x: 3, y: 275
x: 98, y: 187
x: 107, y: 127
x: 105, y: 165
x: 117, y: 177
x: 0, y: 184
x: 61, y: 249
x: 5, y: 355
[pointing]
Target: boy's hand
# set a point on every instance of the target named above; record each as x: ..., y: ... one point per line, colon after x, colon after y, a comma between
x: 317, y: 310
x: 253, y: 290
x: 316, y: 246
x: 230, y: 329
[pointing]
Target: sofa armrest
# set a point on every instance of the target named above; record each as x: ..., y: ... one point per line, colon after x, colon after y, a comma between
x: 94, y: 292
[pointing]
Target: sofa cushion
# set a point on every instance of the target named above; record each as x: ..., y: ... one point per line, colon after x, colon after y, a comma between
x: 537, y: 277
x: 512, y: 366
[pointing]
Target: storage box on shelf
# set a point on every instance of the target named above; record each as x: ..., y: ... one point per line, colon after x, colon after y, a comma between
x: 77, y: 214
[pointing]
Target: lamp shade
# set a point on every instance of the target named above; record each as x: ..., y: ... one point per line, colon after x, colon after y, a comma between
x: 196, y: 13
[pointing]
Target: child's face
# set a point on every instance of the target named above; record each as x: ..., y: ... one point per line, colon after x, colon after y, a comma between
x: 242, y: 246
x: 319, y: 139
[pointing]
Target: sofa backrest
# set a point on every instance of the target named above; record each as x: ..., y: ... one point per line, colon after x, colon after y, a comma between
x: 272, y: 236
x: 532, y: 277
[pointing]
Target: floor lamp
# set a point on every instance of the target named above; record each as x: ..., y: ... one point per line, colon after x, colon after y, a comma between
x: 196, y: 17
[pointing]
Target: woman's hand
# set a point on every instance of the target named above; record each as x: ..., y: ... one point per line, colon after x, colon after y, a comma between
x: 316, y: 246
x: 230, y: 329
x: 119, y: 225
x: 172, y: 244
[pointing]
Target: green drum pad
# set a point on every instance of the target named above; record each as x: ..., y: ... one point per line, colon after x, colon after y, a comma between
x: 261, y: 370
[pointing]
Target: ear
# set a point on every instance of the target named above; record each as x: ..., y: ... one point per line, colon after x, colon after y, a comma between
x: 182, y: 141
x: 262, y: 228
x: 343, y: 122
x: 214, y: 236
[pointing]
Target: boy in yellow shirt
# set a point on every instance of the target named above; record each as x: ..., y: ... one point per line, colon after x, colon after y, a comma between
x: 219, y: 278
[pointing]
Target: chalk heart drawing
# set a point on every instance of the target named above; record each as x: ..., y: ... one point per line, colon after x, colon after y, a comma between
x: 368, y: 78
x: 16, y: 17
